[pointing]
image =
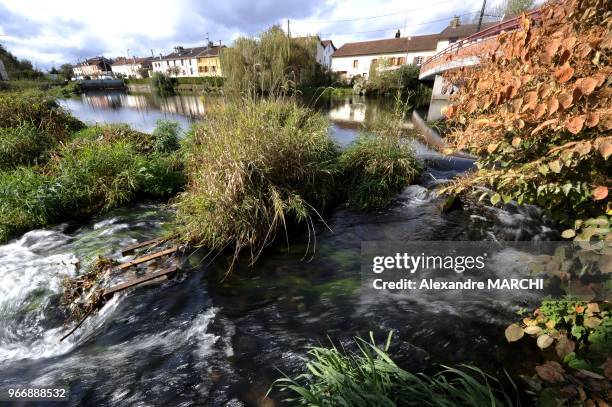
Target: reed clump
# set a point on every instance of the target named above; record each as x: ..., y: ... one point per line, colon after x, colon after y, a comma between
x: 253, y: 167
x: 370, y: 377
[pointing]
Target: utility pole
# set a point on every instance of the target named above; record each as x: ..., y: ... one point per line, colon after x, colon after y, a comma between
x: 482, y: 10
x: 288, y: 30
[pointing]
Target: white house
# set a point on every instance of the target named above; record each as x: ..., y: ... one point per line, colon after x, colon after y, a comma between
x: 355, y: 58
x: 182, y: 62
x: 130, y: 67
x: 328, y: 49
x: 324, y: 51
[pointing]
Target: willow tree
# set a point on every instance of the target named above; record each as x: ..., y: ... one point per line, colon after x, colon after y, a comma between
x: 271, y: 63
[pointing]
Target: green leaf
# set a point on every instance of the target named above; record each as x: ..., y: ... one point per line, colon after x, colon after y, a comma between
x: 495, y: 199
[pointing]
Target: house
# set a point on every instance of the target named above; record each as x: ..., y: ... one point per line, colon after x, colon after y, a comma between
x: 188, y: 61
x: 324, y: 49
x: 95, y: 68
x: 355, y: 58
x: 131, y: 67
x: 209, y: 62
x: 328, y: 50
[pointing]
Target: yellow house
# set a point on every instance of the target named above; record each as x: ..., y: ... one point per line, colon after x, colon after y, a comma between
x: 209, y: 63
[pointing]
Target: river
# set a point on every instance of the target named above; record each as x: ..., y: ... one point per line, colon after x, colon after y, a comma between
x: 201, y: 340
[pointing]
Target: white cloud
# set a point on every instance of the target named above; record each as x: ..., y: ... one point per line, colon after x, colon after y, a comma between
x: 64, y: 30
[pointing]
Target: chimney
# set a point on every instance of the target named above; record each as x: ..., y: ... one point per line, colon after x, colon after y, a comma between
x: 152, y: 54
x: 455, y: 22
x: 210, y: 44
x: 397, y: 34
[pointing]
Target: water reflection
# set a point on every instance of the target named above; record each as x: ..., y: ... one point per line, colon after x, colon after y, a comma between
x: 141, y: 111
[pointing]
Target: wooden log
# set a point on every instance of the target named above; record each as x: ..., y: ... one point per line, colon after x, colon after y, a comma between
x: 147, y: 258
x: 133, y: 247
x: 129, y: 284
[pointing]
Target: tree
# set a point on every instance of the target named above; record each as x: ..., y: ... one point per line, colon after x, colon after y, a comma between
x: 66, y: 71
x: 515, y: 7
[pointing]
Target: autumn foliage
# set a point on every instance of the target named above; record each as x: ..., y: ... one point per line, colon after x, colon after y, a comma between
x: 538, y: 112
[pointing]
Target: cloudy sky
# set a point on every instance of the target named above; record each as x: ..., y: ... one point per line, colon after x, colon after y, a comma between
x: 59, y: 31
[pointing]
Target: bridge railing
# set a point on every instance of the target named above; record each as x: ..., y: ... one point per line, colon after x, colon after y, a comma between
x: 508, y: 25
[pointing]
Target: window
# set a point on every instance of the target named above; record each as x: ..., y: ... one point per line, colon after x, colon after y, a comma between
x: 452, y: 39
x: 181, y: 62
x: 418, y: 60
x: 355, y: 63
x: 213, y: 68
x: 205, y: 69
x: 401, y: 61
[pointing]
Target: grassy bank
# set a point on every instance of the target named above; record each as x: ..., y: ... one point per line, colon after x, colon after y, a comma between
x: 370, y: 377
x: 53, y: 168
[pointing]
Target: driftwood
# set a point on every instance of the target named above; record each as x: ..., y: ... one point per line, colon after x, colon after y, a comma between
x: 132, y: 248
x: 86, y: 293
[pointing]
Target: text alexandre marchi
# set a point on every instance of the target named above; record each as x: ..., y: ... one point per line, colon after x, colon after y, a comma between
x: 407, y: 263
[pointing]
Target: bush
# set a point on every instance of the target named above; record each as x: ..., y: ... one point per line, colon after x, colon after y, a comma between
x: 212, y: 81
x: 161, y: 83
x: 537, y: 111
x: 371, y: 378
x: 166, y: 136
x: 253, y: 167
x: 22, y: 145
x: 403, y: 80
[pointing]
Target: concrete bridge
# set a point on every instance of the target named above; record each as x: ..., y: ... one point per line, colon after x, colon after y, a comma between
x: 464, y: 53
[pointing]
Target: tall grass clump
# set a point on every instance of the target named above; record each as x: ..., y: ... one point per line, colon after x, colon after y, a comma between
x: 370, y: 377
x: 253, y: 168
x: 377, y: 165
x: 31, y: 124
x: 39, y: 109
x: 24, y: 144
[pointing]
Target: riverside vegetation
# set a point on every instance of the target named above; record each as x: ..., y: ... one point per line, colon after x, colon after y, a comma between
x: 538, y: 113
x: 53, y: 168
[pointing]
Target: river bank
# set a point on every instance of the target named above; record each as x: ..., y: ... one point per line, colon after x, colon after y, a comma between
x: 215, y: 339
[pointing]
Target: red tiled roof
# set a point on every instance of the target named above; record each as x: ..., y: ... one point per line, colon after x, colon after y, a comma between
x: 389, y: 46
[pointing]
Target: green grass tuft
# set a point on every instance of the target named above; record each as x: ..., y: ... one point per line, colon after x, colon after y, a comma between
x: 370, y: 377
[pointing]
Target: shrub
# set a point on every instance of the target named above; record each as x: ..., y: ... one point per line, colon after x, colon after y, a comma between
x: 371, y: 378
x: 581, y: 334
x: 22, y: 145
x: 252, y: 167
x: 161, y: 83
x: 538, y: 113
x: 166, y: 136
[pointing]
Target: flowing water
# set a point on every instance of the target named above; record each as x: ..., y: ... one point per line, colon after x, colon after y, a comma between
x: 202, y: 340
